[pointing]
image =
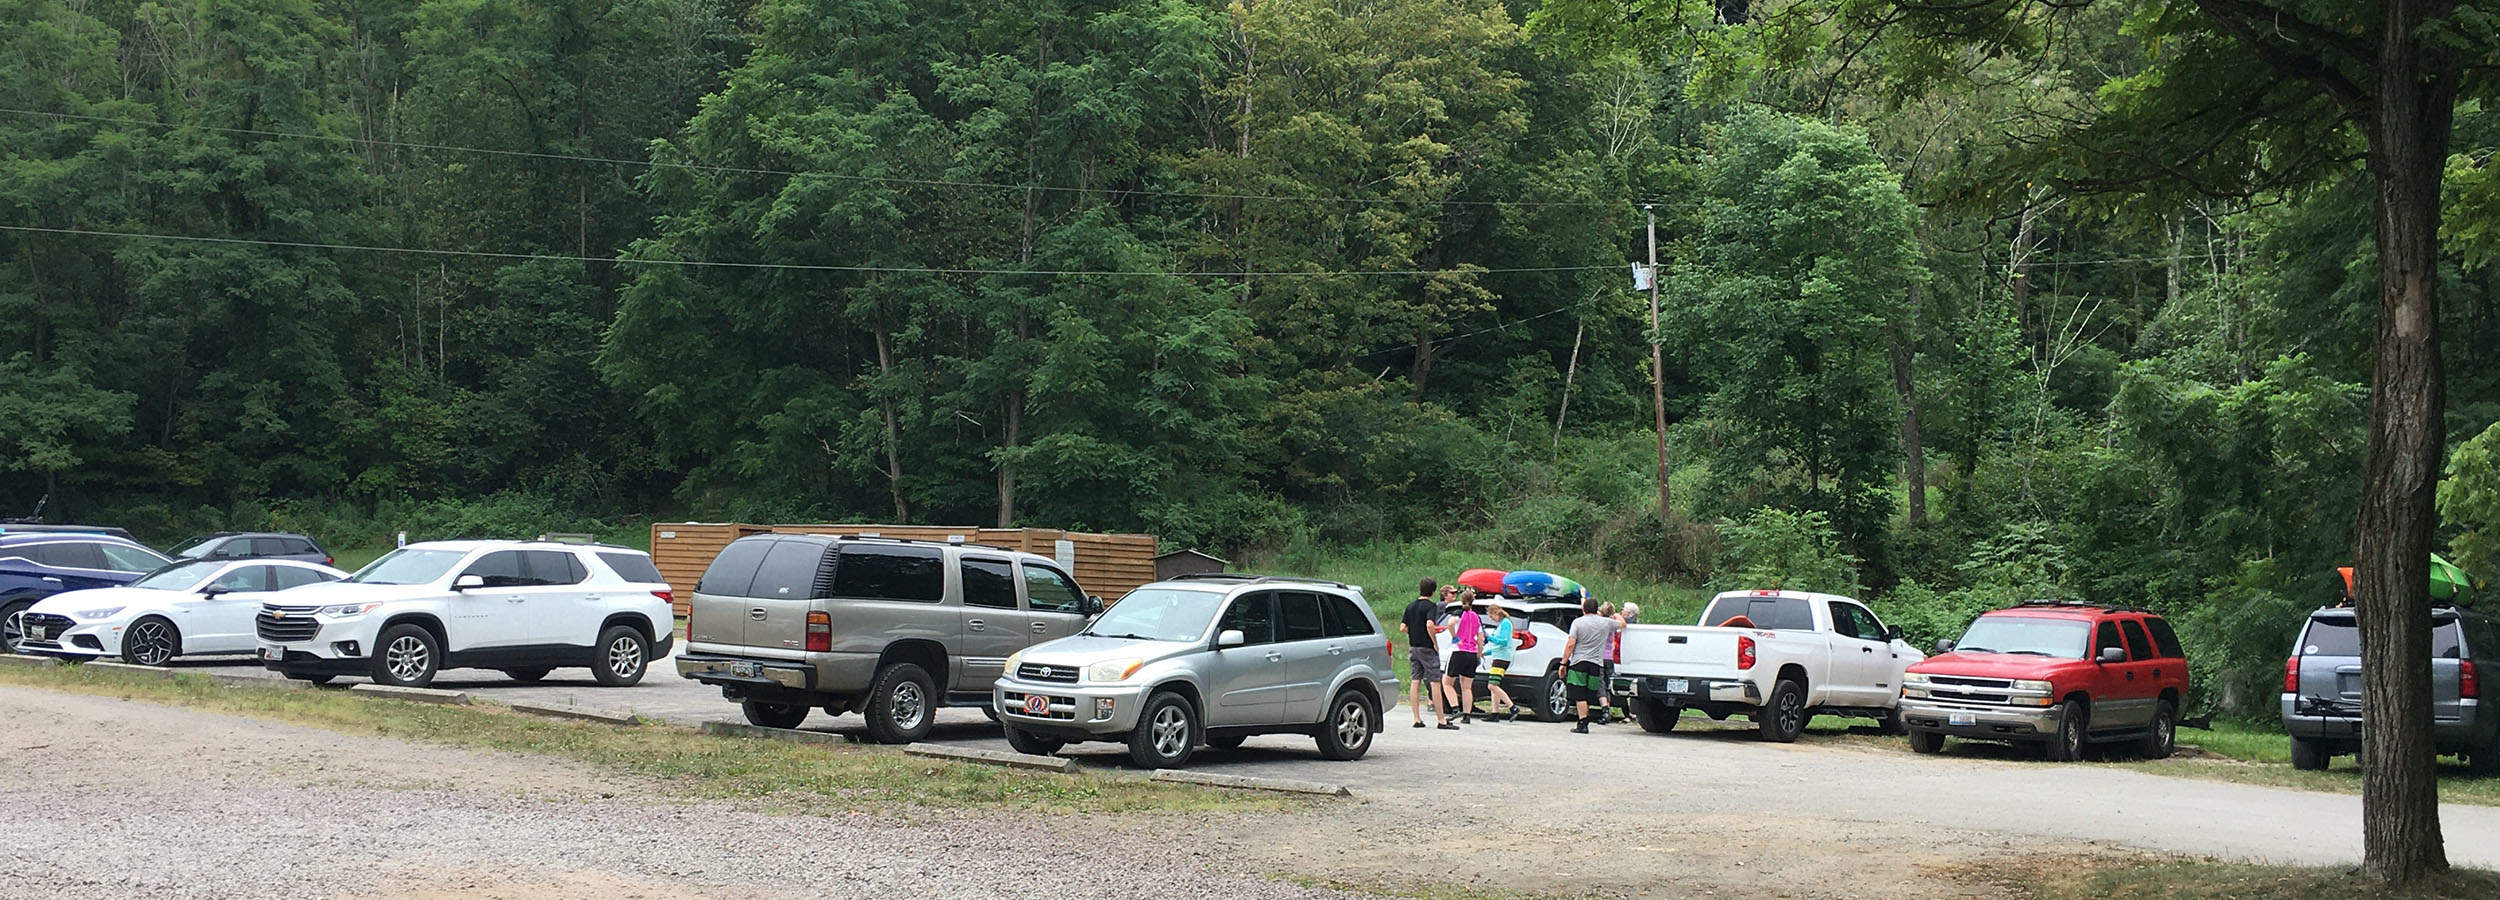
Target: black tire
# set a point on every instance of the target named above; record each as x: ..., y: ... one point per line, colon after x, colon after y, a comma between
x: 1926, y: 741
x: 1353, y: 719
x: 2309, y: 755
x: 1166, y: 733
x: 406, y: 656
x: 531, y: 674
x: 9, y: 633
x: 1891, y: 723
x: 773, y: 715
x: 315, y: 680
x: 990, y: 712
x: 1226, y: 742
x: 902, y: 704
x: 624, y: 656
x: 1656, y: 717
x: 2164, y: 738
x: 151, y: 641
x: 2484, y: 761
x: 1031, y: 744
x: 2068, y: 744
x: 1783, y: 716
x: 1557, y: 705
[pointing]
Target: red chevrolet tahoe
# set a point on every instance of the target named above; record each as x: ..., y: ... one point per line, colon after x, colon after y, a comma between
x: 2062, y: 675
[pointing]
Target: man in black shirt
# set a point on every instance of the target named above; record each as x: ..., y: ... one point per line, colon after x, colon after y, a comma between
x: 1423, y: 660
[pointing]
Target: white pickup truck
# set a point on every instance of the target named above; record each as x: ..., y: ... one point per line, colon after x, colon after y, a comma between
x: 1781, y: 657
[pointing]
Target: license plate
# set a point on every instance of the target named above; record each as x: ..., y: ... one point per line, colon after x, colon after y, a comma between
x: 1679, y: 686
x: 277, y: 653
x: 1961, y: 719
x: 746, y: 669
x: 1036, y: 705
x: 36, y: 633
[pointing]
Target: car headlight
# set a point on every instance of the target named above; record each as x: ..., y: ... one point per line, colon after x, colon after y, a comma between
x: 1012, y: 660
x: 104, y: 613
x: 1115, y: 670
x: 2041, y: 686
x: 344, y: 610
x: 1917, y: 678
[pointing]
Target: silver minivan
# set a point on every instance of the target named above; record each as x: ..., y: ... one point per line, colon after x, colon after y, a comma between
x: 2322, y: 688
x: 1207, y: 659
x: 891, y: 628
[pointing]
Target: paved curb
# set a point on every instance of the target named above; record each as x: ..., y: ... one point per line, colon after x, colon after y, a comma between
x: 994, y: 757
x: 28, y: 661
x: 575, y: 712
x: 420, y: 695
x: 229, y: 679
x: 738, y: 729
x: 1253, y: 782
x: 137, y: 670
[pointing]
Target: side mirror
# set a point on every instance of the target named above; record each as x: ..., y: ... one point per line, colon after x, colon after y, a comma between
x: 1092, y: 606
x: 214, y: 590
x: 1231, y: 637
x: 1892, y: 632
x: 1943, y: 645
x: 2111, y: 655
x: 468, y: 582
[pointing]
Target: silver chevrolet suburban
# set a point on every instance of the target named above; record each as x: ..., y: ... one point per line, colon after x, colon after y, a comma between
x: 2322, y: 688
x: 1207, y: 659
x: 894, y: 629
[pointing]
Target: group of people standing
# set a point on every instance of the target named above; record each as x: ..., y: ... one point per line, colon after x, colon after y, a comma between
x: 1484, y: 640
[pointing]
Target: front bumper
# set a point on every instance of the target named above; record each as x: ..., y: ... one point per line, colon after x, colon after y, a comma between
x: 67, y: 637
x: 1075, y: 711
x: 1981, y: 722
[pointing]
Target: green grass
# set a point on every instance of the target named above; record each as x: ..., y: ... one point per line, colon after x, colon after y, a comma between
x: 2065, y: 878
x: 2257, y: 755
x: 782, y: 775
x: 1388, y: 570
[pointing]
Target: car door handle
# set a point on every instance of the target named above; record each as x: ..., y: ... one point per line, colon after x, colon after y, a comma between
x: 52, y: 579
x: 757, y: 614
x: 1866, y: 649
x: 1336, y: 650
x: 1041, y: 626
x: 1275, y: 657
x: 977, y: 625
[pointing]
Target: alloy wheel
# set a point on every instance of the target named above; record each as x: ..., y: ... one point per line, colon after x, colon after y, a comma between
x: 1171, y: 731
x: 151, y: 643
x: 1354, y: 724
x: 407, y: 658
x: 909, y: 706
x: 624, y: 657
x: 1557, y: 699
x: 1792, y: 712
x: 10, y: 634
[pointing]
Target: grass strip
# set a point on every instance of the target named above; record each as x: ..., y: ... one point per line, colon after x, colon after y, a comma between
x: 2091, y: 878
x: 689, y: 763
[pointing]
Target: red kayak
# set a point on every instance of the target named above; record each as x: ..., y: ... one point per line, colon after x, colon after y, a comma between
x: 1487, y: 582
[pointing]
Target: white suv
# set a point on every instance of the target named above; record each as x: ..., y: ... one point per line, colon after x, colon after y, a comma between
x: 525, y: 607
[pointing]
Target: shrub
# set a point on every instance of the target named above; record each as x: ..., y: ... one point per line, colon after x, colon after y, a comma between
x: 1778, y: 548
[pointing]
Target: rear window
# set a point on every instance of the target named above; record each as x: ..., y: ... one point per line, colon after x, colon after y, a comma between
x: 633, y: 567
x: 1344, y: 619
x: 1302, y: 616
x: 890, y: 573
x: 2341, y: 636
x: 1774, y: 613
x: 788, y: 572
x: 552, y: 567
x: 734, y: 569
x: 2164, y: 639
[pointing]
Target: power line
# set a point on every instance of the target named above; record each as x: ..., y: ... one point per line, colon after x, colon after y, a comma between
x: 746, y: 170
x: 902, y: 270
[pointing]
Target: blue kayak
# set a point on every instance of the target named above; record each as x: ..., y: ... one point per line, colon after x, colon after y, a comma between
x: 1541, y: 584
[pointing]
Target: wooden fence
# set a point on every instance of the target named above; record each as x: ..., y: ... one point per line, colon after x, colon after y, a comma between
x: 1106, y: 565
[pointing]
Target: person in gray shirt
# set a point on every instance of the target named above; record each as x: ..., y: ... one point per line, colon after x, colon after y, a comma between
x: 1584, y: 655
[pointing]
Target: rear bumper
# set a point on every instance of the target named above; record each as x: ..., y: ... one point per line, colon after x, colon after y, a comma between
x: 1693, y: 692
x: 733, y: 671
x: 2455, y: 725
x: 1982, y: 723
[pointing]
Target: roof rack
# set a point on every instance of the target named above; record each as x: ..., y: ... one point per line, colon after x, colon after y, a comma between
x: 1252, y: 578
x: 903, y: 540
x: 2082, y: 604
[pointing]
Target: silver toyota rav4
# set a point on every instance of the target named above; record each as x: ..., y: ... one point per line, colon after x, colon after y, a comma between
x: 1209, y: 659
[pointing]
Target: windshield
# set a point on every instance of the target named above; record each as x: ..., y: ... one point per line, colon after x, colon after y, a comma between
x: 181, y: 576
x: 197, y: 547
x: 408, y: 567
x: 1159, y: 614
x: 2028, y: 635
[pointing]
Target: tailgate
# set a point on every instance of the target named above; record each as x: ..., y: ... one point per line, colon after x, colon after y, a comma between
x: 1683, y: 651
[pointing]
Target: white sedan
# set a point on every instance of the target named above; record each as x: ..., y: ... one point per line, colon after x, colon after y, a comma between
x: 201, y: 606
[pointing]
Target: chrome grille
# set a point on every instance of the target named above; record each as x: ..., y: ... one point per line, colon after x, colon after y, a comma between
x: 285, y: 624
x: 1060, y: 707
x: 1045, y: 672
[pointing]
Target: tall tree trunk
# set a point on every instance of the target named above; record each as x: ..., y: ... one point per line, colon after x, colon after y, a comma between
x: 2408, y: 125
x: 1571, y: 370
x: 1913, y: 449
x: 1015, y: 392
x: 885, y: 405
x: 1425, y: 355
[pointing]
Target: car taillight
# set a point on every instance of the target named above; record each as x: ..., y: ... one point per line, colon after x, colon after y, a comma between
x: 690, y: 625
x: 819, y: 632
x: 329, y: 561
x: 2469, y: 684
x: 2291, y: 675
x: 665, y: 596
x: 1744, y: 652
x: 1390, y: 647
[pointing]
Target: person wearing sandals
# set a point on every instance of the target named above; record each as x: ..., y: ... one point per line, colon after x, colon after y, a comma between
x: 1501, y: 639
x: 1467, y: 649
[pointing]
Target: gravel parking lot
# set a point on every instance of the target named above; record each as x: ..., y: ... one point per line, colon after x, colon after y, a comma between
x: 1533, y: 807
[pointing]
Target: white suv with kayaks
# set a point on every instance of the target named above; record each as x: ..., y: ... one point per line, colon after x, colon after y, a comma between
x: 524, y: 607
x: 190, y: 608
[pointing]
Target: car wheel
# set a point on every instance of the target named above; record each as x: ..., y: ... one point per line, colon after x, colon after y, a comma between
x: 533, y: 673
x: 1031, y: 744
x: 313, y: 679
x: 624, y: 654
x: 2484, y: 761
x: 990, y: 711
x: 1226, y: 742
x: 1347, y: 734
x: 1926, y: 741
x: 1656, y: 717
x: 2309, y: 755
x: 2164, y: 737
x: 1891, y: 723
x: 406, y: 656
x: 1557, y: 705
x: 10, y: 634
x: 1166, y: 733
x: 2068, y: 744
x: 773, y: 715
x: 902, y: 704
x: 151, y: 641
x: 1783, y: 719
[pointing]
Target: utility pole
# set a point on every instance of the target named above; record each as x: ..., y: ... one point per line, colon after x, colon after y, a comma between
x: 1657, y: 369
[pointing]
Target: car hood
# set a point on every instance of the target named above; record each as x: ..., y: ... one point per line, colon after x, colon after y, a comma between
x: 326, y: 593
x: 1085, y: 650
x: 68, y: 602
x: 1999, y: 665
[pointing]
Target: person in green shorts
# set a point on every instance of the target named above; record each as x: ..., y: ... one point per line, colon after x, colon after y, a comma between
x: 1584, y: 656
x: 1501, y: 639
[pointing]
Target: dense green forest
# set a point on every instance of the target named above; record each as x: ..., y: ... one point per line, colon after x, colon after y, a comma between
x: 1255, y: 276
